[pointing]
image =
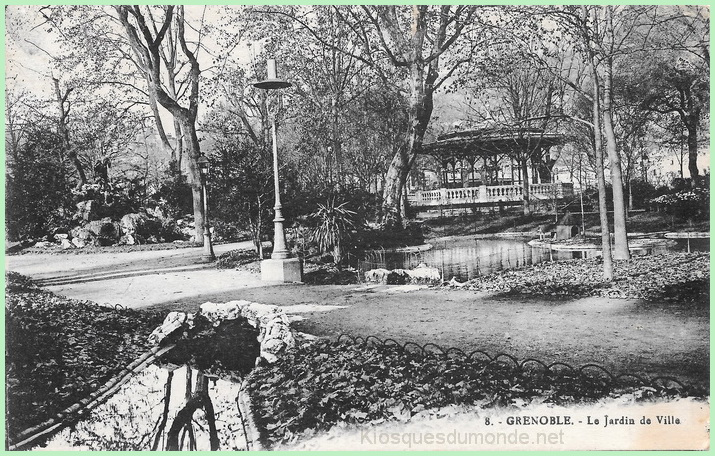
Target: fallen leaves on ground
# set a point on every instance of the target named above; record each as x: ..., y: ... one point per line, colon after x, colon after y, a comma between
x: 56, y: 249
x: 328, y: 274
x: 238, y: 259
x: 59, y: 350
x: 676, y: 276
x: 325, y: 383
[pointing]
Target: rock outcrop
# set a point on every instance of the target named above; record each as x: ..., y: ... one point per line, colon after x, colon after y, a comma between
x: 274, y: 334
x: 104, y: 231
x: 421, y: 274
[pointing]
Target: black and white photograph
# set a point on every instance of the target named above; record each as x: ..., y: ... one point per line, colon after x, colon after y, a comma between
x: 357, y: 227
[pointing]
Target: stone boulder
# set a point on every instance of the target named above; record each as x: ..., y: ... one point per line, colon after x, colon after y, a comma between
x: 172, y: 322
x: 156, y: 212
x: 87, y: 211
x: 387, y: 277
x: 127, y: 239
x: 141, y: 228
x: 226, y: 348
x: 271, y: 323
x: 105, y: 232
x: 398, y: 277
x: 132, y: 224
x: 275, y: 334
x: 79, y: 243
x: 81, y: 233
x: 424, y: 274
x: 170, y: 230
x: 186, y: 228
x: 421, y: 274
x: 377, y: 275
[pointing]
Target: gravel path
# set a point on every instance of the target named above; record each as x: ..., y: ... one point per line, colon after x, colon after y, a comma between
x: 133, y: 279
x: 625, y: 335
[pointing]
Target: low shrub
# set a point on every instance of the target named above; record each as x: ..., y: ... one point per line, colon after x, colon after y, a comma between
x: 236, y: 258
x: 686, y: 204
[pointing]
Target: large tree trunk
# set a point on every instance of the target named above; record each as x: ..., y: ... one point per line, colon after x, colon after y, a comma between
x: 336, y: 143
x: 146, y: 44
x: 602, y: 206
x: 420, y: 112
x: 177, y: 152
x: 257, y: 227
x: 525, y: 186
x: 392, y: 192
x: 621, y: 251
x: 63, y: 130
x: 14, y: 143
x: 600, y: 172
x: 399, y: 170
x: 692, y: 127
x: 194, y: 176
x: 159, y: 124
x: 405, y: 47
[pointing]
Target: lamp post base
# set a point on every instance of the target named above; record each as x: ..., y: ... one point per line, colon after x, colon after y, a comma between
x: 285, y: 270
x: 208, y: 253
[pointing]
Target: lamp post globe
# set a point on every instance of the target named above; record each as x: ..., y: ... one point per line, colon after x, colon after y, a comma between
x: 203, y: 164
x: 207, y: 255
x: 280, y: 267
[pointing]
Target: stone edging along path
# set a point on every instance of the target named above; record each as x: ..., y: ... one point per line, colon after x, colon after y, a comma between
x: 246, y: 409
x: 687, y: 235
x: 580, y: 245
x: 408, y: 249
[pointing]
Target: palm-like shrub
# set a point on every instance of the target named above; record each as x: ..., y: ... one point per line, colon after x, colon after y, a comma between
x: 333, y: 228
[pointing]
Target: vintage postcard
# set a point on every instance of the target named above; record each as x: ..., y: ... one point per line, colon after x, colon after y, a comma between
x: 357, y: 227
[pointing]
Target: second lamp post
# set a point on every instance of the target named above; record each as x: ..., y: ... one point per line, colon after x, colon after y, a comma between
x: 208, y: 253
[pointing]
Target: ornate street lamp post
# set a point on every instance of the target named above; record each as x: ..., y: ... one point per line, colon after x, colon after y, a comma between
x: 208, y: 254
x: 280, y: 267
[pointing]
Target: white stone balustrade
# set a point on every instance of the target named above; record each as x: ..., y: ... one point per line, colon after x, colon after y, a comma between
x: 489, y: 194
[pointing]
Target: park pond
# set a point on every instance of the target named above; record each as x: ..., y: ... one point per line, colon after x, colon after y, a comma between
x: 465, y: 258
x: 158, y: 410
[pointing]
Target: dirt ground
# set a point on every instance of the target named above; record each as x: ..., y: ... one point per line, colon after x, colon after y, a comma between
x: 133, y: 279
x: 622, y: 335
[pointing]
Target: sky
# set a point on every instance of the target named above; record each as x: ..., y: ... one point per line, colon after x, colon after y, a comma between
x: 26, y: 66
x: 30, y: 46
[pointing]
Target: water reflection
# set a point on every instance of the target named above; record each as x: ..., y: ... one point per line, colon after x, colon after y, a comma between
x: 162, y: 408
x: 469, y: 258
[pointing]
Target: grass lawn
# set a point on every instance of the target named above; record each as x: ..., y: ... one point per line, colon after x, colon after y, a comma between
x: 623, y: 335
